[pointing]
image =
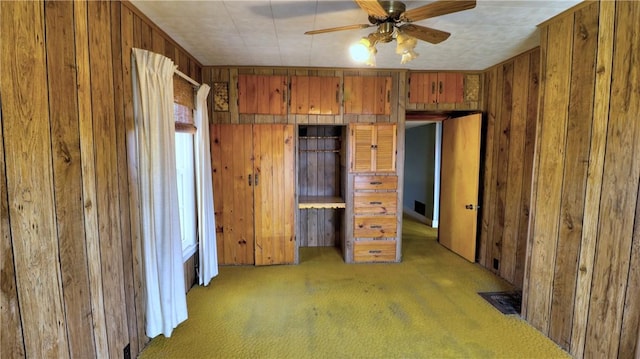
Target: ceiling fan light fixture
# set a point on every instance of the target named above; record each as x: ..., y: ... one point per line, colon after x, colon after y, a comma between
x: 405, y: 47
x: 408, y: 56
x: 364, y: 51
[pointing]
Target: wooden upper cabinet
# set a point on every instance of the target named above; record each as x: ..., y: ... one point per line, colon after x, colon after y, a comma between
x: 367, y: 95
x: 436, y: 87
x: 315, y: 95
x: 373, y: 147
x: 262, y: 94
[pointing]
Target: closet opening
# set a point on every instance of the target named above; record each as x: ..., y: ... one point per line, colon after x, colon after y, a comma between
x: 321, y: 180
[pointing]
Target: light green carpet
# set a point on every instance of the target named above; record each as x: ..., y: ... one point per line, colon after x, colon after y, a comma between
x: 425, y: 307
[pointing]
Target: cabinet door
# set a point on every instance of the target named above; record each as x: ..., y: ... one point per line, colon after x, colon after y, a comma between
x: 361, y: 148
x: 385, y: 148
x: 231, y: 150
x: 436, y: 87
x: 274, y: 188
x: 367, y: 95
x: 262, y: 94
x: 373, y: 148
x: 314, y: 95
x: 450, y: 87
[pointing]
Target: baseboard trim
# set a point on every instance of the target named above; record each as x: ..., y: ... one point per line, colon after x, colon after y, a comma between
x: 418, y: 217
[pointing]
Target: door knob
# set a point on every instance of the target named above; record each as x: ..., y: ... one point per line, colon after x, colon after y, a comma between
x: 471, y: 207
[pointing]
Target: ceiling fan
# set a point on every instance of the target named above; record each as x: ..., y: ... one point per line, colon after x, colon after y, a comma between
x: 394, y: 21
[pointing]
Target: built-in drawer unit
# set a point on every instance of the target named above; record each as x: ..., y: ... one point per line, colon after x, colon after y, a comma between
x: 375, y: 202
x: 374, y: 251
x: 375, y: 183
x: 375, y: 226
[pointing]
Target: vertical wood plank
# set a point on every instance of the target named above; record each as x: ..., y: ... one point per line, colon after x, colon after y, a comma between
x: 119, y: 54
x: 356, y: 92
x: 293, y: 99
x: 277, y: 149
x: 89, y: 195
x: 368, y: 94
x: 575, y: 172
x: 233, y: 95
x: 264, y: 94
x: 146, y: 36
x: 25, y: 121
x: 242, y: 94
x: 279, y: 100
x: 263, y: 167
x: 553, y: 122
x: 432, y: 87
x: 505, y: 74
x: 619, y: 189
x: 380, y: 95
x: 217, y: 179
x: 515, y: 165
x: 102, y: 95
x: 604, y: 58
x: 527, y: 177
x: 630, y: 332
x: 289, y: 202
x: 169, y: 47
x: 11, y: 339
x: 157, y: 42
x: 315, y: 95
x: 330, y: 96
x: 489, y: 167
x: 67, y: 177
x: 127, y: 25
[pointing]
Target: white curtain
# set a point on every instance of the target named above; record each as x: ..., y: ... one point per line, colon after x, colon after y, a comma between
x: 204, y: 187
x: 160, y: 220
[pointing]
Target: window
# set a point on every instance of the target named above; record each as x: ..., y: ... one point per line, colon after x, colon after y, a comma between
x: 185, y: 165
x: 185, y: 170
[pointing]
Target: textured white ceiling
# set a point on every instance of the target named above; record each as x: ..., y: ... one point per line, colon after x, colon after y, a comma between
x: 271, y: 32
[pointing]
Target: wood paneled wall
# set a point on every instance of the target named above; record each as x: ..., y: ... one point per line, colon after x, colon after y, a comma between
x: 510, y: 123
x: 71, y: 264
x: 582, y: 280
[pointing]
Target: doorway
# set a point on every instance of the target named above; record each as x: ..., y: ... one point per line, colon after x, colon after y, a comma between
x: 446, y: 149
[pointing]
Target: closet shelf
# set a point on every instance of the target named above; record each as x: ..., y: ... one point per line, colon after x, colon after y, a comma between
x: 306, y: 202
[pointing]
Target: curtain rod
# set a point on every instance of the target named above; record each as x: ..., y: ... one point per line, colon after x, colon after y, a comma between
x: 189, y: 79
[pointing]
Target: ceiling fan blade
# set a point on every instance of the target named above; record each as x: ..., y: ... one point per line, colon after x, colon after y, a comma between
x: 437, y: 8
x: 425, y: 33
x: 373, y: 8
x: 339, y: 28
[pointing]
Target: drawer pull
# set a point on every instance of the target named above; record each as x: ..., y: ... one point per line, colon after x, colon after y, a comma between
x: 375, y: 202
x: 375, y: 226
x: 375, y: 251
x: 375, y: 183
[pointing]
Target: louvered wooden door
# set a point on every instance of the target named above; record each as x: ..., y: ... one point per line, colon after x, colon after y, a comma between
x: 253, y: 180
x: 373, y: 147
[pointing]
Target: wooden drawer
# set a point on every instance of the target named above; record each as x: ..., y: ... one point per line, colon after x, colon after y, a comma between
x: 375, y: 182
x: 374, y: 251
x: 374, y: 226
x: 375, y: 202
